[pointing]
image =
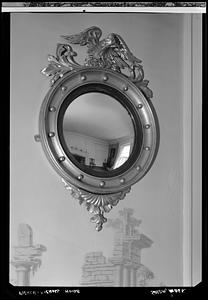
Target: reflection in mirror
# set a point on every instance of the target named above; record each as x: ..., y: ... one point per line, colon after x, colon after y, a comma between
x: 98, y: 132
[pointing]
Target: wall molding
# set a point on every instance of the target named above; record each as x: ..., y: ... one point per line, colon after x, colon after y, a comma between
x: 192, y: 150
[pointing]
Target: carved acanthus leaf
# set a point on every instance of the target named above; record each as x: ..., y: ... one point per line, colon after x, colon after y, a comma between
x: 97, y: 204
x: 62, y: 63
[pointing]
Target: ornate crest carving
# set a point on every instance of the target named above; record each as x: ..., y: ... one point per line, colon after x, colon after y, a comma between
x: 109, y: 53
x: 96, y: 204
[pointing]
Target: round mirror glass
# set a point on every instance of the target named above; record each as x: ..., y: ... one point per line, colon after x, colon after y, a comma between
x: 98, y: 132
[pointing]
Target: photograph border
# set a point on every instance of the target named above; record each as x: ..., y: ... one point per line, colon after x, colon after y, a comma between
x: 192, y: 148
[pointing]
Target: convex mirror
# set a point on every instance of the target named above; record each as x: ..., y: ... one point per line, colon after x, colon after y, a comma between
x: 97, y: 125
x: 97, y: 133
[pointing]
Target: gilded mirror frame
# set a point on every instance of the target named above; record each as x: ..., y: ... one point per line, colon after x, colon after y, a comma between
x: 70, y: 79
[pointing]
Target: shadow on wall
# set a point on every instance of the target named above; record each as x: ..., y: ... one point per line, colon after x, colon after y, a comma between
x: 124, y: 268
x: 26, y: 258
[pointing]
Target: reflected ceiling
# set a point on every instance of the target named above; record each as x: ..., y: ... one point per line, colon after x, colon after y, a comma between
x: 99, y: 115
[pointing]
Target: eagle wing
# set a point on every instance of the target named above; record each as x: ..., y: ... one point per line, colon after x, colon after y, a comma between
x: 123, y: 51
x: 89, y: 37
x: 113, y: 56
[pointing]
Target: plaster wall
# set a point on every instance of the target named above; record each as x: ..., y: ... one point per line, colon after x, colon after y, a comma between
x: 37, y: 195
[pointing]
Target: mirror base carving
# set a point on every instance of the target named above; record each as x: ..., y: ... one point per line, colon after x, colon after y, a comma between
x: 97, y: 204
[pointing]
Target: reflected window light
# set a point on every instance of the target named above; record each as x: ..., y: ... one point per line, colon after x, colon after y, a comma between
x: 122, y: 156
